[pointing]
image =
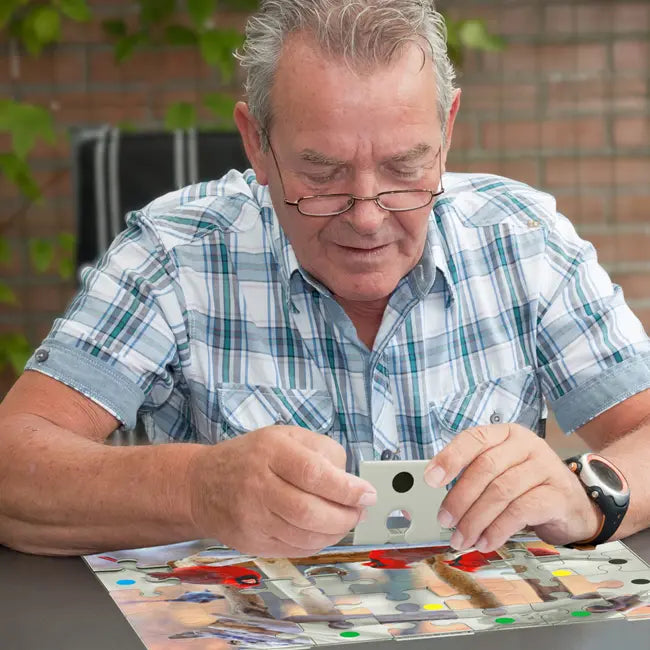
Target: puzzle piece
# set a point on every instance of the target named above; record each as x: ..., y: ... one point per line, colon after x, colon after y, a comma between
x: 429, y: 628
x: 128, y: 576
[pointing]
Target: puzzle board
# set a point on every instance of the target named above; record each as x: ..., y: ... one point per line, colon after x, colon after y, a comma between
x: 175, y: 595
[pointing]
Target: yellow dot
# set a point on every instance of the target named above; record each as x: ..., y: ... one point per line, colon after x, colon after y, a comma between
x: 434, y: 606
x: 562, y: 572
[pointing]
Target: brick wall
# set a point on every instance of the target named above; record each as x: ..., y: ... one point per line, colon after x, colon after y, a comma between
x: 565, y: 107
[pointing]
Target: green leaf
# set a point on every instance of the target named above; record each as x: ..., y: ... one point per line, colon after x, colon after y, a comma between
x: 67, y: 241
x: 114, y: 28
x: 181, y: 115
x: 46, y: 24
x: 26, y: 123
x: 180, y: 35
x: 241, y: 5
x: 7, y: 9
x: 41, y: 254
x: 75, y: 9
x: 217, y: 46
x: 474, y: 34
x: 67, y: 268
x: 221, y: 104
x: 126, y: 45
x: 7, y: 296
x: 15, y: 349
x: 153, y: 12
x: 201, y: 11
x: 18, y: 172
x: 5, y: 251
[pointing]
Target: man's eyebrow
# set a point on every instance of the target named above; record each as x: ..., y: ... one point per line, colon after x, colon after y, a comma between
x: 319, y: 158
x: 412, y: 154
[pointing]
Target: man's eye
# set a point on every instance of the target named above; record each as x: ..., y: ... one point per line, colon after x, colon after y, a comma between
x: 406, y: 173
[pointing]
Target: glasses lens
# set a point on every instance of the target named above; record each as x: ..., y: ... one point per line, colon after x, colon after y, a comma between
x: 321, y: 206
x: 405, y: 200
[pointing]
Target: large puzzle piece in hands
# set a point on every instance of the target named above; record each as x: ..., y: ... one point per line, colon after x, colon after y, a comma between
x: 175, y: 595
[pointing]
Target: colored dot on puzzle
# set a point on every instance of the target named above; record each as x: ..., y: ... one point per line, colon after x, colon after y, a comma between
x: 349, y: 635
x: 618, y: 561
x: 562, y: 572
x: 433, y: 607
x: 580, y: 613
x: 125, y: 582
x: 504, y: 620
x: 640, y: 581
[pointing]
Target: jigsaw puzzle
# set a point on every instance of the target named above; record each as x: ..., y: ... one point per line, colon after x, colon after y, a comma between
x: 174, y: 595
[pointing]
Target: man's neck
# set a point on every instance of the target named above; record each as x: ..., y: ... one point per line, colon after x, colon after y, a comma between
x: 365, y: 316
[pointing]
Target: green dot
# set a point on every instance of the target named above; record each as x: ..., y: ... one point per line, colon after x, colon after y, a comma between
x: 504, y: 621
x: 349, y: 634
x: 580, y: 613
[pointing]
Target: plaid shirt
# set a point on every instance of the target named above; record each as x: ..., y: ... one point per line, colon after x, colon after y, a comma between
x: 200, y: 320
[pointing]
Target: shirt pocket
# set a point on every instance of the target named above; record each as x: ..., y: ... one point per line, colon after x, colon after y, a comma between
x: 514, y: 398
x: 243, y: 408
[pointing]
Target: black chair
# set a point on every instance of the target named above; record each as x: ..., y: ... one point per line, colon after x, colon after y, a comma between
x: 118, y: 171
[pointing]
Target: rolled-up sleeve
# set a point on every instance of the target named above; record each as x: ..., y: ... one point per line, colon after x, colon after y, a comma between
x: 121, y: 340
x: 592, y: 351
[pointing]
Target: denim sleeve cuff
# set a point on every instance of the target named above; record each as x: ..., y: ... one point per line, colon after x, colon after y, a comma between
x: 96, y: 380
x: 595, y: 396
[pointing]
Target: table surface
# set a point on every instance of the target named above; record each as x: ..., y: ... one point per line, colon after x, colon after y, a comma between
x: 58, y: 604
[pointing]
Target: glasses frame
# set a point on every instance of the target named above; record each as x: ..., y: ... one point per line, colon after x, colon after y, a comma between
x: 353, y: 198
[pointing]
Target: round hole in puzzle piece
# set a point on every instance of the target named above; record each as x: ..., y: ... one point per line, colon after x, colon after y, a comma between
x: 350, y: 635
x: 640, y: 581
x: 408, y: 607
x: 504, y: 620
x: 433, y: 607
x: 618, y: 561
x: 403, y: 482
x: 580, y: 613
x: 123, y: 583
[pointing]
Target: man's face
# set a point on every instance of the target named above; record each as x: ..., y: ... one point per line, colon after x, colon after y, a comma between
x: 335, y: 131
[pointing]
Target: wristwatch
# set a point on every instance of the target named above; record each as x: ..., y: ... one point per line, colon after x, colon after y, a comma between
x: 606, y: 485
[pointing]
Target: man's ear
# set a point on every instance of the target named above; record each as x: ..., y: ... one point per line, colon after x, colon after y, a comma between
x: 250, y: 135
x: 451, y: 119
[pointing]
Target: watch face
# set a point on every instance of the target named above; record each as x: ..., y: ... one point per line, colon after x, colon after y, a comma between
x: 606, y: 474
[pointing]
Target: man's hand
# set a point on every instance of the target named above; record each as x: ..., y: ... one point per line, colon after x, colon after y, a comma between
x: 280, y: 491
x: 511, y: 479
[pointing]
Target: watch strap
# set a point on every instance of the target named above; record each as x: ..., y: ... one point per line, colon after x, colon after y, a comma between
x: 612, y: 513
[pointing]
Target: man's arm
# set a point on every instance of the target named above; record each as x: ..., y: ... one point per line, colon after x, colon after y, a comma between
x: 622, y: 434
x: 62, y: 491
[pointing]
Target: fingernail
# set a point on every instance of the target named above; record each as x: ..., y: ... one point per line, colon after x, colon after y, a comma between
x: 434, y: 476
x: 445, y: 519
x: 368, y: 499
x: 481, y: 545
x: 456, y: 540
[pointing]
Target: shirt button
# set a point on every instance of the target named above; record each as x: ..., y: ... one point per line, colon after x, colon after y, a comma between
x: 41, y: 355
x: 387, y: 454
x: 495, y: 418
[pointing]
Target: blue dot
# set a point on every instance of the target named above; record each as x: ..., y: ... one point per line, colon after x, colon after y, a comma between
x: 126, y: 582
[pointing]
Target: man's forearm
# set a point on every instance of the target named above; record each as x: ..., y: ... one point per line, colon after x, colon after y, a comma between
x: 63, y: 494
x: 631, y: 454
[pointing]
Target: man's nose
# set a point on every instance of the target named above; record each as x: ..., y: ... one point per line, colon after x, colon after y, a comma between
x: 365, y: 217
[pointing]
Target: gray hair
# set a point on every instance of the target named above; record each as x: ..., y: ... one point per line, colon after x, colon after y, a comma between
x: 364, y: 33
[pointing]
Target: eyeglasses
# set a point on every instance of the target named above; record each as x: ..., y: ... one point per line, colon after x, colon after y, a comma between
x: 331, y: 205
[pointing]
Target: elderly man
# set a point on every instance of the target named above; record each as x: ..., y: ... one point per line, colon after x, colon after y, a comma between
x: 344, y: 300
